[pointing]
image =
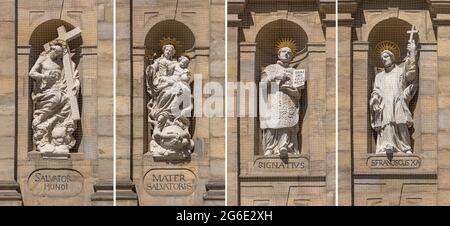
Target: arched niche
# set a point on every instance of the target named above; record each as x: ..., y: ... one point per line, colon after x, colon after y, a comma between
x: 393, y: 30
x: 42, y: 34
x: 266, y: 54
x: 272, y: 32
x: 169, y: 29
x: 153, y: 49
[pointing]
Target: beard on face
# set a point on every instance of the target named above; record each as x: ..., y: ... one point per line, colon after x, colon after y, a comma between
x: 387, y: 63
x: 54, y: 54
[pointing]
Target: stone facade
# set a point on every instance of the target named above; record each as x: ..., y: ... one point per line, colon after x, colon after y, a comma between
x: 256, y: 175
x: 367, y: 178
x: 28, y: 177
x: 307, y: 178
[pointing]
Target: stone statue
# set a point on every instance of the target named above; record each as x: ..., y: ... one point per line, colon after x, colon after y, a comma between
x: 280, y: 105
x: 53, y: 95
x: 168, y: 83
x: 393, y: 89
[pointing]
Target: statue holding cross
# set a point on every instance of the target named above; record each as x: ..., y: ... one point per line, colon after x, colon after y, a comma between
x: 393, y: 89
x: 56, y: 87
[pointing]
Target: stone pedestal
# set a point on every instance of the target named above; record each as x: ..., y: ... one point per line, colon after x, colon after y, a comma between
x: 56, y: 181
x: 177, y: 184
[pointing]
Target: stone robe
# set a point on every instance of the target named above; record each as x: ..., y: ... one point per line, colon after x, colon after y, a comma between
x: 279, y: 109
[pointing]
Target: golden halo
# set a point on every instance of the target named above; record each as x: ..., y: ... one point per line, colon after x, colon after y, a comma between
x: 287, y: 42
x: 388, y: 45
x: 170, y: 41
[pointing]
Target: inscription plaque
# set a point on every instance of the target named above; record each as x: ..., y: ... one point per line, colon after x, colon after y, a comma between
x: 169, y: 182
x: 55, y: 183
x: 275, y: 163
x: 397, y: 162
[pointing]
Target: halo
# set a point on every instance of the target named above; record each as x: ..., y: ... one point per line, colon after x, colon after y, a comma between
x: 388, y: 45
x: 170, y: 41
x: 287, y: 42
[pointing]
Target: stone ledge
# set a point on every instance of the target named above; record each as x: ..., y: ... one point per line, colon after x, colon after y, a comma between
x: 214, y: 195
x: 215, y: 185
x: 34, y: 155
x: 102, y: 196
x: 104, y: 191
x: 396, y: 176
x: 10, y: 191
x: 9, y: 185
x: 235, y: 6
x: 215, y: 190
x: 282, y: 178
x: 10, y: 196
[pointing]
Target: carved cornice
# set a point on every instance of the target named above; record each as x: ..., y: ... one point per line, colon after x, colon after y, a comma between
x: 428, y: 47
x: 316, y: 47
x: 235, y: 9
x: 247, y: 47
x: 346, y: 10
x: 235, y: 6
x: 103, y: 191
x: 344, y: 6
x: 440, y: 11
x: 344, y: 19
x: 439, y: 6
x: 215, y: 190
x: 361, y: 46
x: 10, y: 191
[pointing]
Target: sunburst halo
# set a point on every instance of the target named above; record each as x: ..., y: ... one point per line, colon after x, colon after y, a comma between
x: 287, y: 42
x: 388, y: 45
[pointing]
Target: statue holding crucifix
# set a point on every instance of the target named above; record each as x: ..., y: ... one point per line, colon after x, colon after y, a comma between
x: 56, y: 87
x: 393, y: 89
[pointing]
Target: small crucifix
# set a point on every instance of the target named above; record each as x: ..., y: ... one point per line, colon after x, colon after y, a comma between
x: 69, y: 72
x: 411, y: 33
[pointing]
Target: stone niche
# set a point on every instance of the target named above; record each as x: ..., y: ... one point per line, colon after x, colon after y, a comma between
x: 264, y: 55
x: 44, y: 33
x: 171, y: 177
x: 295, y: 179
x: 398, y: 179
x: 184, y: 177
x: 73, y: 178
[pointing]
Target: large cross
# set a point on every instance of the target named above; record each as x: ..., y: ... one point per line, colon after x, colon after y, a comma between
x: 411, y: 33
x: 69, y: 73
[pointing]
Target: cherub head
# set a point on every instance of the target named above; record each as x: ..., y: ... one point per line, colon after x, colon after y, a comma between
x: 183, y: 61
x: 58, y: 135
x: 39, y: 133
